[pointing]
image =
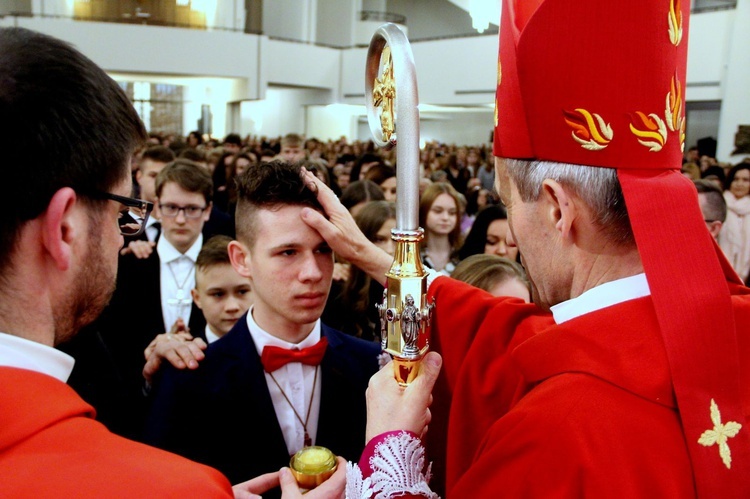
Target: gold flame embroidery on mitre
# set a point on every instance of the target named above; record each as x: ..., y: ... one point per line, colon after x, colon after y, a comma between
x: 720, y: 434
x: 589, y: 129
x: 674, y: 105
x: 675, y: 22
x: 650, y: 130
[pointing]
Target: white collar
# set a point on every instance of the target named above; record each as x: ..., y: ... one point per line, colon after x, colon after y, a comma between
x: 262, y: 338
x: 210, y: 335
x: 168, y: 253
x: 26, y: 354
x: 602, y: 296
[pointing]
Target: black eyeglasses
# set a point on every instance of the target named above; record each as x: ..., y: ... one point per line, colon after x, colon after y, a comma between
x: 172, y: 210
x: 132, y: 219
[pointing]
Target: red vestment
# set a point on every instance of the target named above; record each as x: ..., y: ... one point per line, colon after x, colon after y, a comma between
x: 580, y: 409
x: 50, y: 446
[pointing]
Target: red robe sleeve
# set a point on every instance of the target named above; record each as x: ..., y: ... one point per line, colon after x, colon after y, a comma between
x: 471, y: 328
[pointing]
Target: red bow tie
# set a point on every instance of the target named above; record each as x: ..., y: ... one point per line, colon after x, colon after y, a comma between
x: 274, y: 357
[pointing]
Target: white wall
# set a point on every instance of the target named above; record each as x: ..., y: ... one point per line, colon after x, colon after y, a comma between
x: 335, y: 22
x: 332, y: 121
x: 289, y: 19
x: 282, y: 111
x: 299, y: 64
x: 427, y: 17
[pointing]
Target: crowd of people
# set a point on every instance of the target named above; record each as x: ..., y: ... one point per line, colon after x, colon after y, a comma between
x: 179, y: 318
x: 733, y: 181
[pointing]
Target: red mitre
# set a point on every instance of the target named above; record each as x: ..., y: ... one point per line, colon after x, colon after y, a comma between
x: 602, y: 83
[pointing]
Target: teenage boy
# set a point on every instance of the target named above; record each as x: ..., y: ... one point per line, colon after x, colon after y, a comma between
x: 279, y: 380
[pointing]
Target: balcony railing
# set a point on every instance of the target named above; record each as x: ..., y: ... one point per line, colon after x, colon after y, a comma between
x: 383, y: 17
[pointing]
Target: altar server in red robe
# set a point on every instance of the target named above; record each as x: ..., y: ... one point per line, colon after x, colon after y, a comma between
x: 630, y: 374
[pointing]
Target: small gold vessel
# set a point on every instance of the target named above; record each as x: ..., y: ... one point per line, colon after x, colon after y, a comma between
x: 312, y: 466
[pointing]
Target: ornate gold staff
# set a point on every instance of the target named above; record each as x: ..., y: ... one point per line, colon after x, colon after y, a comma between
x: 391, y: 96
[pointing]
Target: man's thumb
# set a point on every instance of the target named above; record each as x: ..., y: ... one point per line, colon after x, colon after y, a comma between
x: 429, y: 370
x: 287, y: 482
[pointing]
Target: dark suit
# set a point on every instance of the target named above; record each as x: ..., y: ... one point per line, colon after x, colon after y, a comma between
x: 221, y: 414
x: 109, y: 352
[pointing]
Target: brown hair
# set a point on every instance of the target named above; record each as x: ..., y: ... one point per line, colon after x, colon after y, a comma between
x: 214, y: 252
x: 188, y: 175
x: 487, y: 271
x: 429, y: 196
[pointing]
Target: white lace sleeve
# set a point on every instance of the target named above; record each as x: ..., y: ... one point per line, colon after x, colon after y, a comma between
x: 397, y: 468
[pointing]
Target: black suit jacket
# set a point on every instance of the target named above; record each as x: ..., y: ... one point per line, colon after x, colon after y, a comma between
x: 109, y: 352
x: 221, y: 414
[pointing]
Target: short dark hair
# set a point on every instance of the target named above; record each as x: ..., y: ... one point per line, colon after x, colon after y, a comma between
x: 233, y: 138
x: 188, y: 175
x: 716, y: 205
x: 269, y: 185
x: 214, y: 252
x: 161, y: 154
x: 65, y: 123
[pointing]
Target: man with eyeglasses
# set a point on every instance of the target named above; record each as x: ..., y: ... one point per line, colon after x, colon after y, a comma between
x: 62, y: 204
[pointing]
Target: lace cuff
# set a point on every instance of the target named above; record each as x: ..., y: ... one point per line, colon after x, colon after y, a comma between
x: 393, y: 465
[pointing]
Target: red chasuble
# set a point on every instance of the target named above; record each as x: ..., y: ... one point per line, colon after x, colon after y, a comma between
x: 581, y: 409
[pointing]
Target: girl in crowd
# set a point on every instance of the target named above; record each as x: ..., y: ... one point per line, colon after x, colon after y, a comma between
x: 385, y: 177
x: 494, y: 274
x: 351, y: 304
x: 487, y: 235
x: 439, y: 213
x: 734, y: 237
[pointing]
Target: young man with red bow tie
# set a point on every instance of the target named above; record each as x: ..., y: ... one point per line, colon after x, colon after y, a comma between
x: 280, y: 379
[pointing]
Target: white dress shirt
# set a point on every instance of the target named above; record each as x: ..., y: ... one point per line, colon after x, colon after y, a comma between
x: 176, y: 279
x: 296, y: 379
x: 210, y: 335
x: 150, y: 230
x: 25, y: 354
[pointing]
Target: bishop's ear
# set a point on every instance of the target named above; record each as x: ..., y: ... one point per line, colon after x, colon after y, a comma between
x: 561, y: 208
x: 239, y: 256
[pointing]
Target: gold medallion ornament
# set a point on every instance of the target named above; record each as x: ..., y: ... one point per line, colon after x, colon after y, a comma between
x: 384, y: 95
x: 312, y: 466
x: 720, y: 434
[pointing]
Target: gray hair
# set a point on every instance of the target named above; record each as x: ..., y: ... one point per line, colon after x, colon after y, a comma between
x: 597, y: 187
